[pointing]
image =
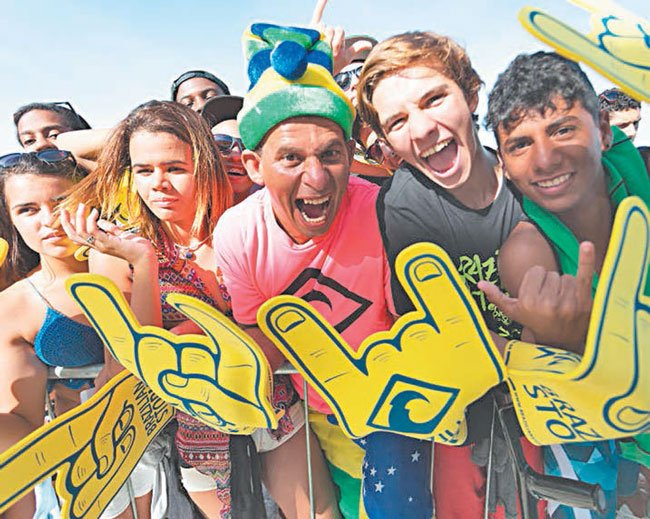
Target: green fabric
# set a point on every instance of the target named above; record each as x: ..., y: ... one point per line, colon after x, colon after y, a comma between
x: 349, y: 492
x: 637, y: 449
x: 627, y: 176
x: 293, y: 101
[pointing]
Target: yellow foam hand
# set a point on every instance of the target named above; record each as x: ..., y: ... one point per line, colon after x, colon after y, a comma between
x: 221, y: 378
x: 561, y: 397
x: 119, y: 212
x: 416, y: 379
x: 4, y: 248
x: 618, y: 45
x: 93, y: 447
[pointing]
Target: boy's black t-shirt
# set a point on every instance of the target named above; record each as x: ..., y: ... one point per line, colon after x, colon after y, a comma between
x: 412, y: 208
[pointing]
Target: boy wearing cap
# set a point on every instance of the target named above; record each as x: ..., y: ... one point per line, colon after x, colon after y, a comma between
x: 312, y: 233
x: 194, y: 87
x: 221, y: 114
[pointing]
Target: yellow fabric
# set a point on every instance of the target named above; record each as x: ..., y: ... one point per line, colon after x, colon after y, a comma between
x: 93, y: 447
x: 560, y: 397
x: 616, y: 46
x: 120, y: 212
x: 339, y: 450
x: 4, y: 248
x: 415, y: 379
x: 222, y: 378
x: 315, y: 76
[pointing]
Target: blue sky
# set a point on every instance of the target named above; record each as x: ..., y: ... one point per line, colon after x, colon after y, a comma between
x: 106, y: 57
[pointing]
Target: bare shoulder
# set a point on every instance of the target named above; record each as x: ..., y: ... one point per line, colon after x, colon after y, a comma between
x: 16, y: 303
x: 525, y: 247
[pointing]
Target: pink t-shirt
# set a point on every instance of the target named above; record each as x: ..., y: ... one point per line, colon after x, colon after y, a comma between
x: 343, y: 273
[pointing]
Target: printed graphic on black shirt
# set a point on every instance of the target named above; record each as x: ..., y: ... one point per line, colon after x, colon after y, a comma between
x: 312, y: 285
x: 474, y: 269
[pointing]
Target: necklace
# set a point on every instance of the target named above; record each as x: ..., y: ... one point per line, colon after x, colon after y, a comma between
x: 189, y: 253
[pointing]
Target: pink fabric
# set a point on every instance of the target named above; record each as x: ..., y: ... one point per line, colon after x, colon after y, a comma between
x: 345, y: 268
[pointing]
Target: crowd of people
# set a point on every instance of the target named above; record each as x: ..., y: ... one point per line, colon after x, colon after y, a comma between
x: 342, y: 153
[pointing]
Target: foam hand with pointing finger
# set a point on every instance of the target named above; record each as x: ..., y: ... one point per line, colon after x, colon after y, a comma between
x: 415, y: 379
x: 618, y: 45
x: 221, y: 378
x: 93, y: 448
x: 560, y: 397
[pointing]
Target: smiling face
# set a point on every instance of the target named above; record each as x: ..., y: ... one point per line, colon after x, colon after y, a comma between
x: 428, y: 122
x: 555, y: 158
x: 31, y: 201
x: 304, y: 163
x: 38, y: 129
x: 195, y: 91
x: 163, y: 175
x: 239, y: 179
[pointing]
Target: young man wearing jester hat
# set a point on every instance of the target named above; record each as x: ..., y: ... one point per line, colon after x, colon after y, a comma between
x: 313, y: 233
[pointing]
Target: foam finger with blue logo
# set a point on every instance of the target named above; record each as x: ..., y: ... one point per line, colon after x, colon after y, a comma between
x: 418, y: 377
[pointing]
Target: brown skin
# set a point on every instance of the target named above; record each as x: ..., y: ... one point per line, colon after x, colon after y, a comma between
x: 195, y: 91
x: 627, y: 120
x: 555, y: 160
x: 38, y: 130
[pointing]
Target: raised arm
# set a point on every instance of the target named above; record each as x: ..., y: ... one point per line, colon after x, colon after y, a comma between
x: 85, y: 145
x: 553, y: 308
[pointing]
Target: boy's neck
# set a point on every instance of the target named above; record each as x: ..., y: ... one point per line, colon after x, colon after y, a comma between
x: 591, y: 220
x: 482, y: 186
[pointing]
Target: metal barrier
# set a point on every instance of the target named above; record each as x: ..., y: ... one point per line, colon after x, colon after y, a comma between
x: 531, y: 485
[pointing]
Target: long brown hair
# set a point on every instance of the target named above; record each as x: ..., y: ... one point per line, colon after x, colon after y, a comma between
x: 102, y: 188
x: 21, y: 259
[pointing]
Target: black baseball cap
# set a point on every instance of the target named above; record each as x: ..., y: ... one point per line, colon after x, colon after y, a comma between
x: 197, y: 73
x: 221, y: 108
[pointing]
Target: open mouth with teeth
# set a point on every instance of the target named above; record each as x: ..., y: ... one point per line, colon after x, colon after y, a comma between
x: 313, y: 210
x: 237, y: 173
x: 441, y: 158
x: 554, y: 183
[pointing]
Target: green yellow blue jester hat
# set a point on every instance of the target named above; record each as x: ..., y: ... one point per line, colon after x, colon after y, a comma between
x: 290, y: 72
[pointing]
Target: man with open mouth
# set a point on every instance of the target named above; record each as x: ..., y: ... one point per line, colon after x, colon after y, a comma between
x: 312, y: 232
x: 418, y: 92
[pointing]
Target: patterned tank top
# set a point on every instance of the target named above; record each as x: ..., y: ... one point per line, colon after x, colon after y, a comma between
x: 178, y: 275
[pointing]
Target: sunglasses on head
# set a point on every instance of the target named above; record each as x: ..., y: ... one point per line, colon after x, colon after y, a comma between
x: 611, y: 96
x: 47, y: 156
x: 343, y: 79
x: 226, y: 143
x: 68, y: 106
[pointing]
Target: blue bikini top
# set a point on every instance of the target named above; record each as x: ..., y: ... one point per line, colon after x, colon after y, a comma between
x: 62, y: 341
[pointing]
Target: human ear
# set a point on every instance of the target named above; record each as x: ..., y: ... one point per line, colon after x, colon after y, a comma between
x: 501, y: 165
x: 606, y: 135
x: 252, y: 161
x: 352, y: 146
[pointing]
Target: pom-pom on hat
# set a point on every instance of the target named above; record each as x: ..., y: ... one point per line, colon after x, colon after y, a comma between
x: 290, y: 70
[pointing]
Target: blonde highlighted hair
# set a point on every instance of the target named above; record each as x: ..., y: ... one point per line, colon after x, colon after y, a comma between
x: 103, y: 188
x: 413, y: 49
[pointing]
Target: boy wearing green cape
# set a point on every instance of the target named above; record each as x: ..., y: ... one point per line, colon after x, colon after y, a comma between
x: 572, y: 170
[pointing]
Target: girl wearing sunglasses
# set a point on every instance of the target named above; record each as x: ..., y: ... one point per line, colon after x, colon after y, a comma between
x: 40, y: 324
x: 179, y: 200
x: 226, y: 137
x: 221, y: 114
